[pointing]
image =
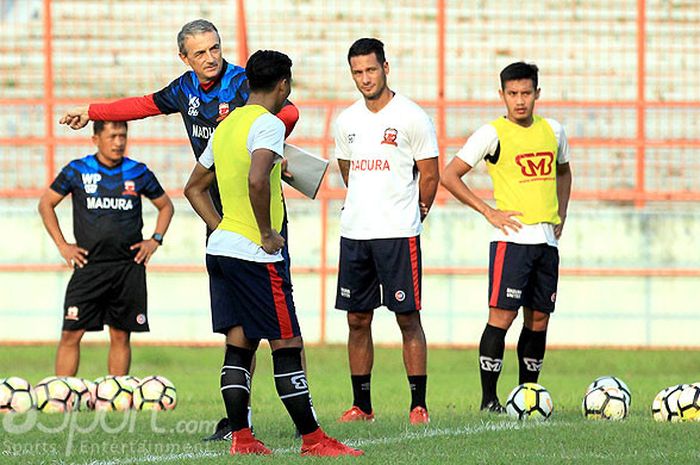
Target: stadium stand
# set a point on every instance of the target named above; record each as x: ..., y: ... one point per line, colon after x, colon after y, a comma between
x: 619, y: 75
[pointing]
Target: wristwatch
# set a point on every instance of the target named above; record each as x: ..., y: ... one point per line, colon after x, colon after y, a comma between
x: 158, y: 237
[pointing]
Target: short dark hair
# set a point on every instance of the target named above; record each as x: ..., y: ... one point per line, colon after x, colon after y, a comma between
x: 98, y: 126
x: 367, y: 46
x: 266, y: 68
x: 519, y: 70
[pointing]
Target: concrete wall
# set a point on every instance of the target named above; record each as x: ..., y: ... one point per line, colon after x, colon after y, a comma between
x: 604, y: 310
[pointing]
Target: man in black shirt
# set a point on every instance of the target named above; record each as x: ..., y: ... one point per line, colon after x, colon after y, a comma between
x: 108, y: 285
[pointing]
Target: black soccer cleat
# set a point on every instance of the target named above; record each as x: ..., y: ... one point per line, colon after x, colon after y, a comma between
x: 222, y: 431
x: 493, y: 406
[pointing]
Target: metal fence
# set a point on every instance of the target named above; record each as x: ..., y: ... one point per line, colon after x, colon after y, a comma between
x: 619, y: 75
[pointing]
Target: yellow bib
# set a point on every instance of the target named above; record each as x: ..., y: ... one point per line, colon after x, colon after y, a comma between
x: 524, y: 173
x: 232, y: 165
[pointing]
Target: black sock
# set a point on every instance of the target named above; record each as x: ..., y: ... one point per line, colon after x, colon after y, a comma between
x: 290, y: 381
x: 235, y: 385
x: 491, y: 348
x: 418, y: 386
x: 361, y: 392
x: 531, y: 348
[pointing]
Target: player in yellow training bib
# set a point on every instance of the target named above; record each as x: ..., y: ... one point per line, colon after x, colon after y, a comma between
x: 527, y: 157
x: 249, y: 282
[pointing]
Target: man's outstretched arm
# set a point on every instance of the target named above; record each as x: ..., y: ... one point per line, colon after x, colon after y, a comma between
x: 125, y: 109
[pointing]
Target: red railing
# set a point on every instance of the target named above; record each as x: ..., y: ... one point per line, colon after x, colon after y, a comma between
x: 639, y: 194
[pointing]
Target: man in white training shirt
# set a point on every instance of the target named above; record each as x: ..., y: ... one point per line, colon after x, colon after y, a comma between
x: 388, y: 156
x: 527, y: 157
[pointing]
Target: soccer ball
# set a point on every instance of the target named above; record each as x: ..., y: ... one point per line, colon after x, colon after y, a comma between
x: 529, y: 401
x: 605, y: 403
x: 16, y: 395
x: 84, y: 391
x: 54, y: 395
x: 689, y: 403
x: 612, y: 381
x: 661, y: 410
x: 665, y: 405
x: 155, y: 393
x: 129, y: 380
x: 113, y: 394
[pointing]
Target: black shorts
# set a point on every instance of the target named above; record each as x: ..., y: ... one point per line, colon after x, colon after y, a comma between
x: 523, y: 275
x: 365, y: 265
x: 257, y: 296
x: 111, y: 294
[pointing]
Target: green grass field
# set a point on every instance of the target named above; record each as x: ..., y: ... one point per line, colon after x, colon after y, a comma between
x: 457, y: 434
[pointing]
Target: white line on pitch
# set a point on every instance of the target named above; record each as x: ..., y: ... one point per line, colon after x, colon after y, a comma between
x: 406, y: 436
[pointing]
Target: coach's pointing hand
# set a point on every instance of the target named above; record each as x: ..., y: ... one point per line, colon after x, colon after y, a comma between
x: 73, y: 255
x: 272, y: 242
x: 145, y: 250
x: 76, y: 117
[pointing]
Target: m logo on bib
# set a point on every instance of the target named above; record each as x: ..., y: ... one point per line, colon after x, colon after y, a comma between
x: 535, y: 164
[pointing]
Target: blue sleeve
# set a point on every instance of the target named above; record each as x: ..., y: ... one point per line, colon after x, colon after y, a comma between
x: 167, y: 98
x: 63, y: 184
x: 151, y: 188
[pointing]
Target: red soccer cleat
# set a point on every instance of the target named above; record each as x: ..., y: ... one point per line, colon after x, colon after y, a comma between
x: 419, y: 416
x: 243, y: 442
x: 320, y: 445
x: 356, y: 414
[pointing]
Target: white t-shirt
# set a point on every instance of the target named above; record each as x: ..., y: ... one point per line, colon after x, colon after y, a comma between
x: 382, y: 147
x: 266, y: 132
x: 483, y: 142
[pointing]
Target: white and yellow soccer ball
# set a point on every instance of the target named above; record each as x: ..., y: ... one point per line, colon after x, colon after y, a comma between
x: 612, y: 381
x: 129, y: 380
x: 113, y: 394
x: 155, y: 393
x: 83, y: 392
x: 529, y: 401
x: 688, y: 403
x: 605, y: 403
x: 660, y: 409
x: 665, y: 404
x: 16, y: 395
x: 54, y: 395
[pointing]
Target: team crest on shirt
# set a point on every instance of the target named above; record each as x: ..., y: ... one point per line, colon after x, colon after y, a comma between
x: 129, y: 188
x: 351, y: 138
x: 223, y: 111
x: 72, y: 313
x: 390, y: 135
